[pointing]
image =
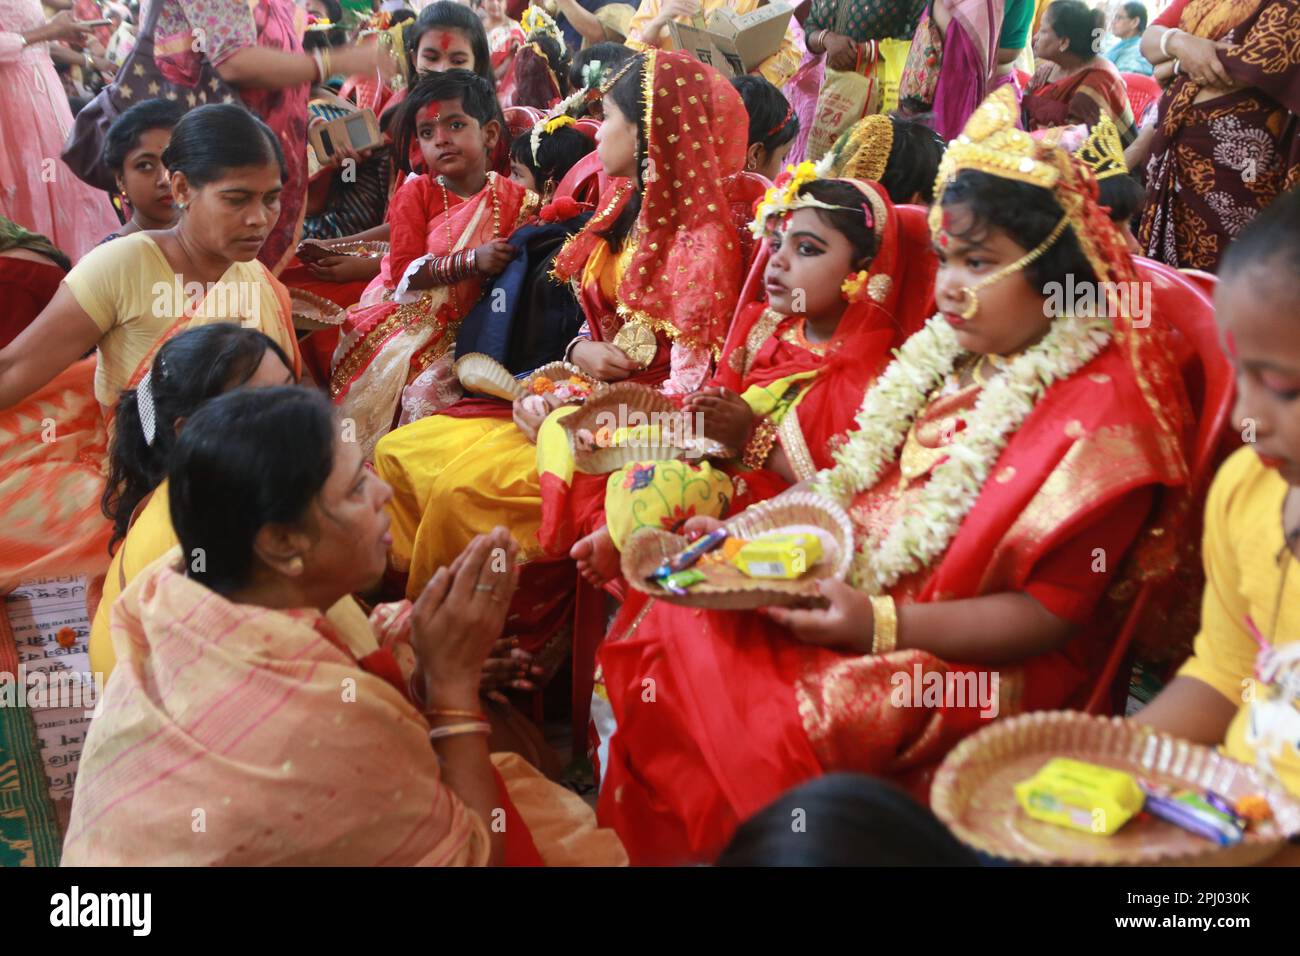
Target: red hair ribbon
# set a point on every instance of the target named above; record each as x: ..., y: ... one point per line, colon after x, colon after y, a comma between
x: 789, y: 111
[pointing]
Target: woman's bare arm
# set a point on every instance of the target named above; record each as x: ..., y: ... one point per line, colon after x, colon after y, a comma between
x: 992, y: 629
x: 1190, y: 709
x: 584, y: 21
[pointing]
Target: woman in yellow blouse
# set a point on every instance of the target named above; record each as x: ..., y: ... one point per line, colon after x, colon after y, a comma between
x: 123, y: 300
x: 1241, y: 687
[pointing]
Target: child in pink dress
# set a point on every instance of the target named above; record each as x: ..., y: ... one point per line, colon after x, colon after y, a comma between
x: 37, y: 190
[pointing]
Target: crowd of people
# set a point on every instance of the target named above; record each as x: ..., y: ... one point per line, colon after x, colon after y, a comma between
x: 340, y: 583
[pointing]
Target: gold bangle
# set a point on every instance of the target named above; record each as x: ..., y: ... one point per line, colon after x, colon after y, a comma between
x: 760, y: 445
x: 884, y: 628
x: 450, y: 712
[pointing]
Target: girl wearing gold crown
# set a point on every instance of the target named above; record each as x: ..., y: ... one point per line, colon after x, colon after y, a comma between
x: 1002, y: 468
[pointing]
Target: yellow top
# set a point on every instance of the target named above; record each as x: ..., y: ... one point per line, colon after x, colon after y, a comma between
x: 776, y: 69
x: 150, y: 537
x: 132, y: 293
x: 1245, y: 578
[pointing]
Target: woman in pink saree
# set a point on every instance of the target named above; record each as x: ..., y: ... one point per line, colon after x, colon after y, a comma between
x: 953, y: 63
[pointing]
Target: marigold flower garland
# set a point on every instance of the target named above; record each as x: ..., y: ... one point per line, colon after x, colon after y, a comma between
x: 899, y: 396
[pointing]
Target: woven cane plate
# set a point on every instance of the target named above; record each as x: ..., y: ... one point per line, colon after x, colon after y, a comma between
x: 312, y: 312
x: 628, y: 404
x: 973, y: 794
x: 727, y: 588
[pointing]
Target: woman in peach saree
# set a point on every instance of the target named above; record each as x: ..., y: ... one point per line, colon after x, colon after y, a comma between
x: 242, y: 728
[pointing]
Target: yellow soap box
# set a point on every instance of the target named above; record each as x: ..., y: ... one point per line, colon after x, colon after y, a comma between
x: 1084, y: 796
x: 783, y: 556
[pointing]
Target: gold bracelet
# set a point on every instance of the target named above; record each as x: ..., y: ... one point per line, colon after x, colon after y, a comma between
x: 760, y: 445
x: 451, y: 712
x: 884, y: 628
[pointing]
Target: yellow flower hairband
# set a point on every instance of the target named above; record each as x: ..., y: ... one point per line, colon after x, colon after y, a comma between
x: 783, y: 199
x: 535, y: 20
x: 547, y: 125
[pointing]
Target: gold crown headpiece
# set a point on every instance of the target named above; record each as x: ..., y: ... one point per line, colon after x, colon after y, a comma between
x: 863, y: 151
x: 1102, y: 151
x: 992, y: 144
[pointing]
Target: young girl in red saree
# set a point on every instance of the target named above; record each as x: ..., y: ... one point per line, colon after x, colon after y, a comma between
x: 449, y: 230
x: 1032, y: 450
x: 454, y: 474
x: 891, y: 154
x: 791, y: 374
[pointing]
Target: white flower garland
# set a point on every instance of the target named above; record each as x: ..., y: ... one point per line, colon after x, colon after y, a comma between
x: 898, y: 397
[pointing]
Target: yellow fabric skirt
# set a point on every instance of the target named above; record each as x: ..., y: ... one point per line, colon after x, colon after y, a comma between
x: 452, y: 479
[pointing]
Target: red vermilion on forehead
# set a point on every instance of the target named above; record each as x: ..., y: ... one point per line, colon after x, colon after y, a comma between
x: 442, y: 106
x: 445, y: 41
x: 944, y: 238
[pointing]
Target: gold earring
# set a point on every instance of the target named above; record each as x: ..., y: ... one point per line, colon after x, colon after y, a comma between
x: 296, y: 564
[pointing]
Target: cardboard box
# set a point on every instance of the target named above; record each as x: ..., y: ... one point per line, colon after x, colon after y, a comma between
x: 734, y: 44
x: 615, y: 18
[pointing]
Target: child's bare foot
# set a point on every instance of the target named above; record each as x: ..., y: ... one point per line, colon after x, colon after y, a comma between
x: 597, y: 557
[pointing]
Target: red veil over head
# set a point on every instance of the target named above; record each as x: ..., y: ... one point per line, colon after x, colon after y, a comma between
x: 684, y: 275
x: 895, y: 301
